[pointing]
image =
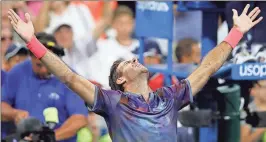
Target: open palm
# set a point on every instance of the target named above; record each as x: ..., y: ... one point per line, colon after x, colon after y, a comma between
x: 24, y: 29
x: 245, y: 22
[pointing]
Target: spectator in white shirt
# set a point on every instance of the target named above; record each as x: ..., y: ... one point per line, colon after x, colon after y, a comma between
x: 120, y: 45
x: 53, y: 13
x: 79, y: 51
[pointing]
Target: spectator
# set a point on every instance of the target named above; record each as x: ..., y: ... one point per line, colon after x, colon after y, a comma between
x: 152, y: 52
x: 6, y: 41
x: 14, y: 55
x: 79, y: 51
x: 123, y: 25
x: 5, y: 6
x: 93, y: 132
x: 96, y: 130
x: 120, y: 45
x: 76, y: 53
x: 96, y: 7
x: 249, y: 134
x: 3, y: 76
x: 114, y: 48
x: 5, y: 126
x: 188, y: 51
x: 53, y: 13
x: 30, y: 88
x: 31, y: 7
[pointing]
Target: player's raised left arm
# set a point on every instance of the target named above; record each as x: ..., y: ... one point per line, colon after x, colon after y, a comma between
x: 81, y: 86
x: 216, y: 57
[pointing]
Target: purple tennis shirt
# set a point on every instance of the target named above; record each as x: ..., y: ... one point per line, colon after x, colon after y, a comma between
x: 131, y: 119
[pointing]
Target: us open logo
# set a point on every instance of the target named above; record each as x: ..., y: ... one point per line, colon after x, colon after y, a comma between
x: 252, y: 70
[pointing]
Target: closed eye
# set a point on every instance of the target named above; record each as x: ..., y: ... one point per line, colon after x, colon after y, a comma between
x: 127, y: 62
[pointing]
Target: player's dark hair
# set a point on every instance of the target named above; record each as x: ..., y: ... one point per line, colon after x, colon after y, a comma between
x: 114, y: 75
x: 184, y: 48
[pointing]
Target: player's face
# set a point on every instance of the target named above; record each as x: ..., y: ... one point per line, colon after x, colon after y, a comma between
x: 131, y: 69
x: 39, y: 69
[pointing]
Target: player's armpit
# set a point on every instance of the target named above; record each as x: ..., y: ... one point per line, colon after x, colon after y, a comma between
x: 84, y: 88
x: 210, y: 64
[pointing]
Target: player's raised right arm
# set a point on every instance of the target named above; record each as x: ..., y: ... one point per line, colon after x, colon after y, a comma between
x: 25, y: 30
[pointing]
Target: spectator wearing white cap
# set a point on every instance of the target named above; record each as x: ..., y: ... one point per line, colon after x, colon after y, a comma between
x: 76, y: 53
x: 53, y: 13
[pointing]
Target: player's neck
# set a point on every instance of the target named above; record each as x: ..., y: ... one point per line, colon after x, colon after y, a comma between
x: 139, y: 86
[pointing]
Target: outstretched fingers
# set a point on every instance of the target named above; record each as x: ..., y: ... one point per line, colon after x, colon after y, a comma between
x: 15, y: 15
x: 14, y: 25
x: 235, y: 14
x: 253, y: 17
x: 27, y: 15
x: 245, y: 11
x: 12, y: 17
x: 253, y: 12
x: 257, y: 21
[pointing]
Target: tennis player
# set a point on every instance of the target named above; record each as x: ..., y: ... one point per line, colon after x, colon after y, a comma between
x: 133, y: 112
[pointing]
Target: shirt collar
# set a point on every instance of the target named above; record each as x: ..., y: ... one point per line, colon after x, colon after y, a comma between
x: 135, y: 96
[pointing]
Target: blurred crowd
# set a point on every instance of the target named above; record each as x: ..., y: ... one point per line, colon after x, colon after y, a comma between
x: 89, y: 36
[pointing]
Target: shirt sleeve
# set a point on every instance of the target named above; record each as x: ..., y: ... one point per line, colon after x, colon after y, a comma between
x: 74, y: 104
x: 181, y: 92
x: 105, y: 101
x: 10, y: 86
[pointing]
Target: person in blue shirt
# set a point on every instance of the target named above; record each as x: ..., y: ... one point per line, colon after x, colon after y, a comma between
x: 132, y: 111
x: 30, y: 88
x: 6, y: 127
x: 3, y: 75
x: 15, y: 54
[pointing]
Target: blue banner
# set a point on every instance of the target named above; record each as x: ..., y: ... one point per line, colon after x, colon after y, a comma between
x: 154, y: 19
x: 251, y: 71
